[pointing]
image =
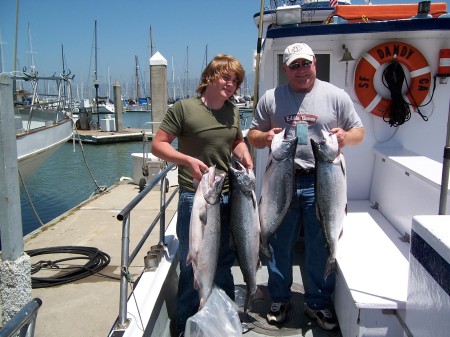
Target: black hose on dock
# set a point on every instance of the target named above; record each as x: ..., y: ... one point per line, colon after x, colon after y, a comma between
x: 97, y: 260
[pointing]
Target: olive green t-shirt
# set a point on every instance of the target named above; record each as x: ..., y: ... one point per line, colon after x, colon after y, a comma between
x: 203, y: 133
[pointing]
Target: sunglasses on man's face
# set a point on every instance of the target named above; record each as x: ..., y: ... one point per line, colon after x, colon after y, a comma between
x: 304, y: 64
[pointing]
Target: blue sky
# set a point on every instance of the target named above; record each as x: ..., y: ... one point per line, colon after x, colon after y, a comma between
x: 182, y: 30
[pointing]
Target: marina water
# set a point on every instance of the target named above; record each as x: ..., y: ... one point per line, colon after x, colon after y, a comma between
x: 64, y: 180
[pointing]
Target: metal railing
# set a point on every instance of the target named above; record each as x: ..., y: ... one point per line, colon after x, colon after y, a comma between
x: 23, y: 323
x: 125, y: 217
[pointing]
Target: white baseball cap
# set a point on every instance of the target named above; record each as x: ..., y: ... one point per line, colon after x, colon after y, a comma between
x: 297, y: 51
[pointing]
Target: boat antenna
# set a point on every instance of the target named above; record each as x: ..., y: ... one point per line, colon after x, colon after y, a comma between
x: 1, y: 53
x: 150, y: 70
x: 15, y: 42
x: 258, y: 57
x: 32, y: 66
x: 95, y: 50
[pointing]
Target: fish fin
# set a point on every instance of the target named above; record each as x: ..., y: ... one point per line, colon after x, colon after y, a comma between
x: 269, y: 161
x: 259, y: 294
x: 188, y: 260
x: 195, y: 183
x: 254, y: 202
x: 232, y: 243
x: 318, y: 215
x: 343, y: 166
x: 331, y: 267
x: 265, y: 250
x: 196, y: 285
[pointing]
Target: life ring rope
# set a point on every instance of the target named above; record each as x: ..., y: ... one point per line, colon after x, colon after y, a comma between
x: 406, y: 55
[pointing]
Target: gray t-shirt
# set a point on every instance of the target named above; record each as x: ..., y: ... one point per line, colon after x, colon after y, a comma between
x: 323, y: 108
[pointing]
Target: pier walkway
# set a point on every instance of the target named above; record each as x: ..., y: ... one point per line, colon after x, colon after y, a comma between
x: 89, y: 306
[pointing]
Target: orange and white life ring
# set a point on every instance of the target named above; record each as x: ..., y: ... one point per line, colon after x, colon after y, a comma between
x: 410, y: 57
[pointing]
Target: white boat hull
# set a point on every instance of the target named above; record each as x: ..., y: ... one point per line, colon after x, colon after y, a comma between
x: 393, y: 177
x: 34, y: 147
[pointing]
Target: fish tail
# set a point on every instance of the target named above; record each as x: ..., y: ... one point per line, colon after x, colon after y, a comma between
x: 248, y: 302
x: 256, y: 295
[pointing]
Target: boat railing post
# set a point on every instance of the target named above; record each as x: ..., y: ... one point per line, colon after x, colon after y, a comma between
x: 162, y: 208
x: 24, y: 322
x: 125, y: 276
x: 125, y: 216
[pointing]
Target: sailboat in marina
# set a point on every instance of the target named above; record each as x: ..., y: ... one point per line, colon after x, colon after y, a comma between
x: 138, y: 102
x: 102, y: 104
x: 42, y: 119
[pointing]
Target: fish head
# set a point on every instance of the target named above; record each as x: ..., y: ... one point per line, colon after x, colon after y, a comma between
x: 211, y: 184
x: 327, y: 149
x: 243, y: 177
x: 283, y: 145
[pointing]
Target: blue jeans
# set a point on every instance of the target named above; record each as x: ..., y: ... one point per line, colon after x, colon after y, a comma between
x: 188, y: 298
x: 302, y: 213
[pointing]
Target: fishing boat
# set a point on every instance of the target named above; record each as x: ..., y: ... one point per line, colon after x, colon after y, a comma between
x: 394, y: 256
x: 42, y: 120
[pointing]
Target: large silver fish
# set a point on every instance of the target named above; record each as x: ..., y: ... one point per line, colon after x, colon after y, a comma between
x: 245, y: 226
x: 278, y: 186
x: 331, y: 193
x: 204, y: 232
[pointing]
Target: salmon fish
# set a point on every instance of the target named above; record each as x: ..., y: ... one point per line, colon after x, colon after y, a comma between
x: 278, y: 186
x: 245, y: 227
x: 204, y: 232
x: 331, y: 193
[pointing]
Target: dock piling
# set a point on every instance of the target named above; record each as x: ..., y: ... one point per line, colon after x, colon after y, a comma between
x: 118, y: 106
x: 15, y: 269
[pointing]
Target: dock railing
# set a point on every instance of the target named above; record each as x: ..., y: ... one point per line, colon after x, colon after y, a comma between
x: 125, y: 217
x: 23, y: 323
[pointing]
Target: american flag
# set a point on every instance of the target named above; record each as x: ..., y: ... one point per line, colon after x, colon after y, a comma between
x: 333, y: 3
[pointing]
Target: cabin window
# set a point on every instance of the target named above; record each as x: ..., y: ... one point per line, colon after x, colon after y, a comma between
x: 323, y: 68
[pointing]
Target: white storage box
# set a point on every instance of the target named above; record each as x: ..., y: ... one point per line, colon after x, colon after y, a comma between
x: 107, y: 125
x: 289, y: 15
x: 154, y: 165
x: 85, y: 103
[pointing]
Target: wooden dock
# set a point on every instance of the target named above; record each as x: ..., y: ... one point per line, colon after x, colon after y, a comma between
x: 89, y: 306
x: 107, y: 137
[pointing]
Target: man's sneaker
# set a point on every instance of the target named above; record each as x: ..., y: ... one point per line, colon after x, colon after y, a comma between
x: 278, y: 311
x: 324, y: 317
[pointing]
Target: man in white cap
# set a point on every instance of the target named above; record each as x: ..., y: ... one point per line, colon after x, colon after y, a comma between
x: 306, y: 106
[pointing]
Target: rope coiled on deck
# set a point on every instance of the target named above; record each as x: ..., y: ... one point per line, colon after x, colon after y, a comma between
x: 67, y: 272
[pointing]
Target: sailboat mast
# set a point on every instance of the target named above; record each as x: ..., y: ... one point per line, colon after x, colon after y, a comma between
x: 150, y: 68
x: 95, y: 50
x: 64, y: 69
x: 187, y: 72
x: 173, y: 82
x: 1, y: 53
x: 15, y: 42
x: 32, y: 66
x: 136, y: 75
